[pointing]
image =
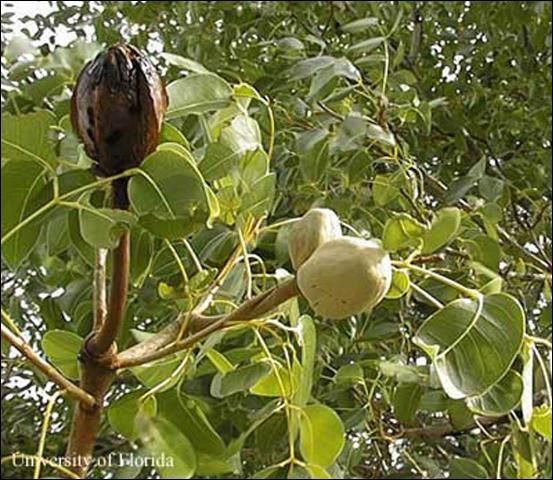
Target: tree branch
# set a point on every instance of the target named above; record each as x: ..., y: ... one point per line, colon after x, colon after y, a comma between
x: 249, y: 310
x: 99, y: 289
x: 107, y: 334
x: 56, y: 377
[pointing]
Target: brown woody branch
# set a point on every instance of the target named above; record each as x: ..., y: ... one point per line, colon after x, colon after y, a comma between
x: 59, y: 379
x: 99, y: 289
x: 249, y: 310
x: 107, y: 334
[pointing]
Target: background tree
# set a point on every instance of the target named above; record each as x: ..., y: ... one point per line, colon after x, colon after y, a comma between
x: 424, y: 124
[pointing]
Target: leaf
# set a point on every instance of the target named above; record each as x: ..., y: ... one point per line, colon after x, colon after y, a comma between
x: 466, y: 468
x: 278, y: 384
x: 306, y: 68
x: 401, y: 231
x: 169, y: 193
x: 196, y: 94
x: 473, y: 350
x: 162, y: 439
x: 313, y: 164
x: 219, y: 361
x: 22, y: 180
x: 218, y: 161
x: 258, y: 200
x: 122, y: 412
x: 376, y: 132
x: 84, y: 249
x: 406, y: 402
x: 185, y: 413
x: 501, y: 398
x: 241, y: 135
x: 359, y: 25
x: 171, y: 134
x: 349, y: 374
x: 182, y: 62
x: 27, y: 137
x: 541, y: 421
x: 102, y: 227
x: 443, y: 229
x: 339, y: 67
x: 62, y: 348
x: 316, y: 471
x: 400, y: 284
x: 237, y: 380
x: 366, y: 45
x: 151, y: 374
x: 322, y: 435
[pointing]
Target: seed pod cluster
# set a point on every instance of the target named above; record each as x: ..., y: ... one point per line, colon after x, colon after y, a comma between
x: 117, y: 109
x: 316, y: 227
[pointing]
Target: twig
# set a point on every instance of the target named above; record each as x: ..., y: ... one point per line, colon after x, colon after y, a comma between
x: 99, y: 288
x: 251, y: 309
x: 56, y: 377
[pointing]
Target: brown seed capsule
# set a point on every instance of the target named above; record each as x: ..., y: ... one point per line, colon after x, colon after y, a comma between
x: 117, y: 109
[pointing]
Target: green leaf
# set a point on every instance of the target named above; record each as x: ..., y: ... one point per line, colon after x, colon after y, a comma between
x: 196, y: 94
x: 316, y: 471
x: 171, y: 134
x: 313, y: 164
x: 366, y: 45
x: 541, y: 421
x: 406, y: 402
x: 443, y: 229
x: 220, y: 362
x: 122, y: 412
x: 163, y: 439
x: 306, y: 68
x: 22, y: 181
x: 376, y: 132
x: 62, y: 348
x: 258, y: 200
x: 218, y: 161
x: 360, y: 25
x: 185, y: 413
x: 322, y: 435
x: 241, y: 135
x: 279, y: 383
x: 169, y: 193
x: 102, y: 227
x: 182, y: 62
x: 472, y: 349
x: 400, y: 284
x: 401, y: 231
x: 349, y: 374
x: 83, y: 248
x: 238, y: 380
x: 151, y: 374
x: 466, y: 468
x: 501, y: 398
x: 28, y: 137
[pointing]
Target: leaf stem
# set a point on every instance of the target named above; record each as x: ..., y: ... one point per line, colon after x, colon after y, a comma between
x: 469, y: 292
